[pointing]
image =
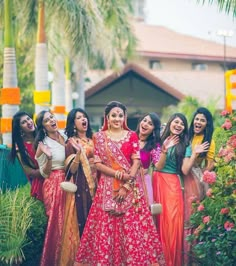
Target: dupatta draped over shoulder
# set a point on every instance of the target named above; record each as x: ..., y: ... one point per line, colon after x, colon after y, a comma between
x: 113, y: 157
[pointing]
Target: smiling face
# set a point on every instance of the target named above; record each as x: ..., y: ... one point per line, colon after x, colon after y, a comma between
x: 81, y: 122
x: 116, y: 118
x: 27, y: 124
x: 177, y: 126
x: 50, y: 122
x: 146, y: 126
x: 199, y: 124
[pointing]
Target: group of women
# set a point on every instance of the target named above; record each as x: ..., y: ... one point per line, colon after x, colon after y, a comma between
x: 108, y: 221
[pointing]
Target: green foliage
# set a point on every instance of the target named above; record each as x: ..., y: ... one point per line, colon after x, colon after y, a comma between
x: 22, y: 227
x: 214, y: 219
x: 15, y: 220
x: 188, y: 106
x: 35, y: 235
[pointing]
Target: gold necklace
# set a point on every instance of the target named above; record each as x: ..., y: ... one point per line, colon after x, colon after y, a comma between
x: 117, y: 137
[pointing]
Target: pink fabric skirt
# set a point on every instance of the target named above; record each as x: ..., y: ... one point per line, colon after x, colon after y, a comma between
x: 54, y: 202
x: 148, y: 183
x: 128, y: 239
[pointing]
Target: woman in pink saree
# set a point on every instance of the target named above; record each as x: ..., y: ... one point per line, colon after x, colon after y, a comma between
x: 119, y: 229
x: 50, y: 154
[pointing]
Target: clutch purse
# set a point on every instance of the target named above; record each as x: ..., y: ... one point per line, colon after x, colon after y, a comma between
x: 68, y: 186
x: 156, y: 208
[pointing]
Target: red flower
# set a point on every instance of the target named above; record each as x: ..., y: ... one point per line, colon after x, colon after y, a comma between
x: 227, y: 124
x: 209, y: 177
x: 224, y: 211
x: 192, y: 199
x: 209, y: 192
x: 228, y: 225
x: 232, y: 141
x: 225, y: 113
x: 201, y: 207
x: 206, y: 219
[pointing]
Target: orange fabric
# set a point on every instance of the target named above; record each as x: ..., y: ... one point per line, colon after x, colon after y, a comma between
x: 167, y: 191
x: 10, y: 96
x: 116, y: 182
x: 70, y: 235
x: 61, y: 124
x: 59, y: 109
x: 5, y: 125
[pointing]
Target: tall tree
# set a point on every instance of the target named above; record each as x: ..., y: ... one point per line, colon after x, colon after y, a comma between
x: 10, y: 93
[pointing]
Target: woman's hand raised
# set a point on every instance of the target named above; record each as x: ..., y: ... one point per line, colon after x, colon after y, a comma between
x: 170, y: 142
x: 75, y: 145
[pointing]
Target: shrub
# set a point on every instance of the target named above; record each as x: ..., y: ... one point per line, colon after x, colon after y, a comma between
x: 15, y: 220
x: 22, y: 227
x: 214, y: 219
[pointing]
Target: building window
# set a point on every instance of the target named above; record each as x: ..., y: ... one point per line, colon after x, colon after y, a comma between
x: 199, y: 66
x: 155, y: 64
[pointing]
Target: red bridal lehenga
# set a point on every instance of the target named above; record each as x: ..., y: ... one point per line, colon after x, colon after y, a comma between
x: 129, y: 237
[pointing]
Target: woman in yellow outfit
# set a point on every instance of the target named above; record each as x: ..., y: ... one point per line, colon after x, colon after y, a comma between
x: 201, y: 130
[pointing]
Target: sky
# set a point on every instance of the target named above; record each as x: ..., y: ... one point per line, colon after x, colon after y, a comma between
x: 188, y: 17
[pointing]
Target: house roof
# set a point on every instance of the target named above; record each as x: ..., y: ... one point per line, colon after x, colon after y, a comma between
x: 163, y: 42
x: 140, y: 71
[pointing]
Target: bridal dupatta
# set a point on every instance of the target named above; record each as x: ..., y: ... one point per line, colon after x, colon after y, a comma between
x: 113, y: 157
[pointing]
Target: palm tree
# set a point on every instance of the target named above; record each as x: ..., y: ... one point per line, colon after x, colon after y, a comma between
x: 228, y: 6
x: 41, y: 93
x: 85, y: 29
x: 10, y: 95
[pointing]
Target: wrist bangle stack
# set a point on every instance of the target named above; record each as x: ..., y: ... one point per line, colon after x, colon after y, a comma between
x: 49, y: 158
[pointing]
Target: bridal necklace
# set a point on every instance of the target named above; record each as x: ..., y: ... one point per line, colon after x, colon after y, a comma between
x: 115, y: 136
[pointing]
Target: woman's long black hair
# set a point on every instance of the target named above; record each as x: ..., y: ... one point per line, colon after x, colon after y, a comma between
x: 154, y: 137
x: 17, y: 140
x: 180, y: 148
x: 70, y: 123
x: 40, y: 128
x: 208, y: 130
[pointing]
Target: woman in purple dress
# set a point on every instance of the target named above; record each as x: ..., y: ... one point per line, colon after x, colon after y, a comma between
x: 151, y: 152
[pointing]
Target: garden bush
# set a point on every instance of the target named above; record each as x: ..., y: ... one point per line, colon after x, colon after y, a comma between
x: 22, y: 227
x: 214, y: 218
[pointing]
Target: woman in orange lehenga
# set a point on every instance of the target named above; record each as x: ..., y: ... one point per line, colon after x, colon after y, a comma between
x: 200, y: 130
x: 167, y: 188
x: 50, y: 155
x: 79, y: 164
x: 119, y: 229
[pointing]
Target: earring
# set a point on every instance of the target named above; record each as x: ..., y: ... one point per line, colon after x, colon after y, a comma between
x: 108, y: 125
x: 45, y: 132
x: 22, y: 133
x: 75, y: 131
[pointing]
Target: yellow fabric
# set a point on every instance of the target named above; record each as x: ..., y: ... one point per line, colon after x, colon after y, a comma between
x: 70, y: 234
x: 197, y: 139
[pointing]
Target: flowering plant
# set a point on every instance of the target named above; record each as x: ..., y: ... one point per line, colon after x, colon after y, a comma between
x: 214, y: 218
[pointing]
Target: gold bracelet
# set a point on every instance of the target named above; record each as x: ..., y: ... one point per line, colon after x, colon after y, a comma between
x: 127, y: 187
x: 75, y: 162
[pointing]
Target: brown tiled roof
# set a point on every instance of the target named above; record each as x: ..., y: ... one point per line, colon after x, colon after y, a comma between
x: 163, y: 42
x: 142, y: 72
